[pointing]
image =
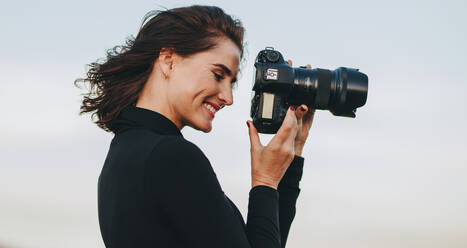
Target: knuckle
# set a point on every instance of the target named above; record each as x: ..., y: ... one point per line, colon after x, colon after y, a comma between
x: 285, y: 151
x: 286, y: 127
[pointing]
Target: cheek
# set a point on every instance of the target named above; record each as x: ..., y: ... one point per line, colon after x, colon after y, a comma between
x: 189, y: 87
x: 182, y: 95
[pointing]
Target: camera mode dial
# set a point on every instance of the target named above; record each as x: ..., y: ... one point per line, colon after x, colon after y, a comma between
x: 272, y: 56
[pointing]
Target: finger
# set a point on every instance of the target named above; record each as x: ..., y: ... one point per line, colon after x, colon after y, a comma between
x: 308, y: 66
x: 253, y: 133
x: 289, y: 62
x: 309, y: 115
x: 288, y: 127
x: 308, y: 118
x: 301, y: 111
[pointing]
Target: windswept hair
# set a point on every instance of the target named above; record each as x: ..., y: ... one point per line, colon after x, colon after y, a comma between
x: 118, y: 81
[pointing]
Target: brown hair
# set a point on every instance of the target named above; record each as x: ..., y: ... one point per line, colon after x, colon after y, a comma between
x: 118, y: 81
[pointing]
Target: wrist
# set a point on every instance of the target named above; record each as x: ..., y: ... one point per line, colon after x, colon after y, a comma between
x: 255, y: 183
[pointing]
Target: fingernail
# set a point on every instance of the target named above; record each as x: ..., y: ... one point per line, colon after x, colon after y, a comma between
x: 292, y: 108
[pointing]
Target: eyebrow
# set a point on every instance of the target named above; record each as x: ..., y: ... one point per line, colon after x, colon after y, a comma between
x: 227, y: 71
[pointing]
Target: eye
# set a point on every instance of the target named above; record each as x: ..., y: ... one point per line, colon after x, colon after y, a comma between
x: 218, y: 77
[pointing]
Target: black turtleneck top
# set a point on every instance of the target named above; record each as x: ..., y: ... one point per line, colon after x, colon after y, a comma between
x: 157, y: 189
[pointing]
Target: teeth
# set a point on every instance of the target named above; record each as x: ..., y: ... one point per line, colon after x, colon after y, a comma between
x: 211, y: 108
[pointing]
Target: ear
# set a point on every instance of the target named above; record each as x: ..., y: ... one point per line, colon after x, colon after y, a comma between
x: 166, y: 61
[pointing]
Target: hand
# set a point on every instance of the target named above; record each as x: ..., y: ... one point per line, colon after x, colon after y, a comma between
x: 304, y: 124
x: 269, y: 163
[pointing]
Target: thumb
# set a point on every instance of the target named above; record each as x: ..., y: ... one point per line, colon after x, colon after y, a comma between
x: 254, y: 137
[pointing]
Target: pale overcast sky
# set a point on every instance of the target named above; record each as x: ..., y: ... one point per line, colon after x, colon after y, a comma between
x: 396, y: 176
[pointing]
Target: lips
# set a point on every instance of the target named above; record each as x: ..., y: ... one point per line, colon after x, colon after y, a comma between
x: 211, y: 107
x: 215, y: 106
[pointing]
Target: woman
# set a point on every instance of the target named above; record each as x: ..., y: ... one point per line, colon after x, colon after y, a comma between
x: 157, y: 189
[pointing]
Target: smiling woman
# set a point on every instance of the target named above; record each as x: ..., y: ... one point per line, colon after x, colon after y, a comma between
x: 157, y: 189
x: 166, y: 37
x: 210, y: 74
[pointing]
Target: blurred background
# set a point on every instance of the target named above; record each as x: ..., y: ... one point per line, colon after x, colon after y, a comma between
x: 396, y: 176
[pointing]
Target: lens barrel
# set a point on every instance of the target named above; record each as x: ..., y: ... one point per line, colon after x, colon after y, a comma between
x: 341, y: 91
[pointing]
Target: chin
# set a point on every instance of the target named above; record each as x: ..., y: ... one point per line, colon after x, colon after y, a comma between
x: 206, y: 130
x: 204, y: 127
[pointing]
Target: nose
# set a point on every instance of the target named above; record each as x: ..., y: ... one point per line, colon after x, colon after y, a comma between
x: 225, y: 94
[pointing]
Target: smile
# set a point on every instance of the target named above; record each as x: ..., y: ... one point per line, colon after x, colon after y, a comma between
x: 211, y: 108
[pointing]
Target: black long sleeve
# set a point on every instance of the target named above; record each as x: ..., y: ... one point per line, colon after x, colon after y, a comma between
x: 157, y: 189
x: 186, y: 189
x: 288, y: 193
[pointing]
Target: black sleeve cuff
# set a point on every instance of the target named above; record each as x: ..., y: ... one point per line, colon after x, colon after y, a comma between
x: 293, y: 175
x: 264, y: 192
x: 264, y: 203
x: 263, y: 217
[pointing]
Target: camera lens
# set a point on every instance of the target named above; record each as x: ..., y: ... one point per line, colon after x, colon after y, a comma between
x: 341, y: 91
x: 349, y: 89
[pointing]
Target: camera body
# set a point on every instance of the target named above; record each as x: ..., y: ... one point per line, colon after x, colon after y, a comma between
x: 278, y: 86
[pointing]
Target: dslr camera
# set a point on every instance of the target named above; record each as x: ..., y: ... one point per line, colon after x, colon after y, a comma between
x: 278, y: 86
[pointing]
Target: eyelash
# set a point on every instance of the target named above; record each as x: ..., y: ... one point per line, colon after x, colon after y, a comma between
x: 218, y: 77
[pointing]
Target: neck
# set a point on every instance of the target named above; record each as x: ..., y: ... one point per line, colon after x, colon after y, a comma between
x: 154, y: 97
